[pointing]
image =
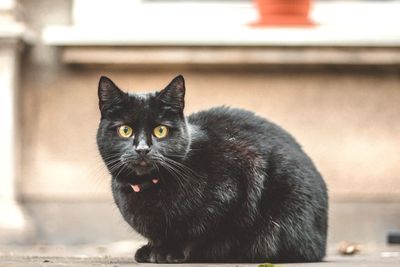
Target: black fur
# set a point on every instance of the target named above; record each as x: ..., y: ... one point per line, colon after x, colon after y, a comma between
x: 233, y: 187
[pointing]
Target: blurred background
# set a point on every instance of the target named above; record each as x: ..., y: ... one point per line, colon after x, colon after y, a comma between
x: 334, y: 84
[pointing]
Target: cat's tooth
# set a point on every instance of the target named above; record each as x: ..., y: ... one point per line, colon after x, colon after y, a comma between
x: 154, y: 181
x: 135, y: 187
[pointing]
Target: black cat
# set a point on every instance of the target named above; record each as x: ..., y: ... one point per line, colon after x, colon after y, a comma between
x: 221, y: 185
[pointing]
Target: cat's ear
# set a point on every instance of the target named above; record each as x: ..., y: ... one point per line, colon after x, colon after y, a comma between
x: 109, y: 93
x: 174, y: 94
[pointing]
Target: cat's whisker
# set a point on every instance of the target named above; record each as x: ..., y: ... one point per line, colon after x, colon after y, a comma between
x: 174, y: 173
x: 183, y: 167
x: 182, y: 173
x: 111, y: 163
x: 175, y: 155
x: 171, y: 169
x: 164, y: 164
x: 99, y: 169
x: 117, y: 165
x: 111, y: 156
x: 121, y: 169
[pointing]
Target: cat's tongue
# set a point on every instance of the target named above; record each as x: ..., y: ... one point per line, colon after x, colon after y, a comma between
x: 135, y: 187
x: 139, y: 187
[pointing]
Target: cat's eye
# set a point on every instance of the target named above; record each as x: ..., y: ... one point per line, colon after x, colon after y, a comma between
x: 125, y: 131
x: 160, y: 131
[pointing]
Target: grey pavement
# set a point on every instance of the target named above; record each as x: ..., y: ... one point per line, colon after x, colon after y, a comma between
x: 19, y: 261
x: 94, y: 234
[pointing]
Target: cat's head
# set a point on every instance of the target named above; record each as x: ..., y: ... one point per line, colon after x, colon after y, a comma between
x: 140, y: 132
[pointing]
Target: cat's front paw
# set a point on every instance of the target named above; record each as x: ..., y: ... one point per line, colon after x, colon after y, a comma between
x: 160, y: 254
x: 176, y: 257
x: 143, y: 253
x: 167, y: 255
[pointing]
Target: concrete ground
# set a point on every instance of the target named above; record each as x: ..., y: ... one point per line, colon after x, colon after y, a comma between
x: 35, y: 261
x: 93, y: 234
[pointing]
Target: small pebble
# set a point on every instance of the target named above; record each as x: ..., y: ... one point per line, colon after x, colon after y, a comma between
x: 348, y: 248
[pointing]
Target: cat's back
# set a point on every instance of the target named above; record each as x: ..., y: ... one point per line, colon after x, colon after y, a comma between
x: 219, y: 116
x: 227, y: 123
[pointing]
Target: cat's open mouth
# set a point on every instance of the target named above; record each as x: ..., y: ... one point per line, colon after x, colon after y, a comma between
x: 145, y: 185
x: 142, y: 167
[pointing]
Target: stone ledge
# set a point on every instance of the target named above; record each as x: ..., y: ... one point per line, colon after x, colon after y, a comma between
x: 231, y: 55
x: 222, y: 36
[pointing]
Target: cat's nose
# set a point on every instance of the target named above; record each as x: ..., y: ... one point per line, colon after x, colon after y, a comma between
x: 142, y: 148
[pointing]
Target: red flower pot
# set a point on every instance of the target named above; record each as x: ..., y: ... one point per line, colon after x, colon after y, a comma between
x: 283, y: 12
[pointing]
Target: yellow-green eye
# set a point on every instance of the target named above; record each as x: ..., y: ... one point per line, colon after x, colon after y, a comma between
x: 125, y: 131
x: 160, y: 131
